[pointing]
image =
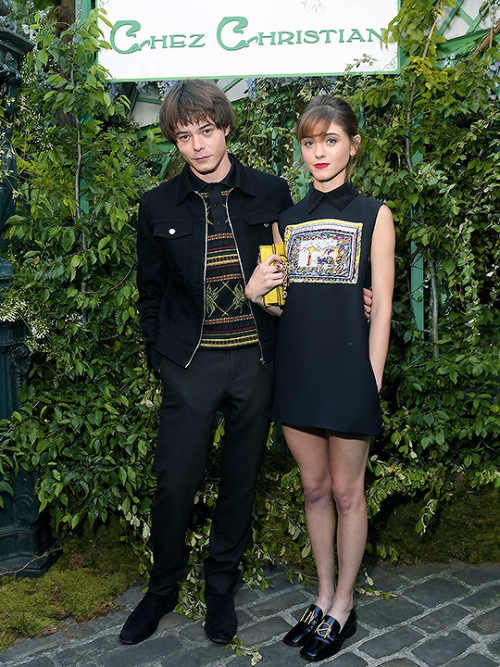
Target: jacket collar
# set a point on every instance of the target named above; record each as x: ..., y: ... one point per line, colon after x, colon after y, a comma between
x: 238, y: 177
x: 340, y: 197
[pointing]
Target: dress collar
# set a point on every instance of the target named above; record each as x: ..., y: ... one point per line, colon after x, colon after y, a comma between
x: 340, y: 197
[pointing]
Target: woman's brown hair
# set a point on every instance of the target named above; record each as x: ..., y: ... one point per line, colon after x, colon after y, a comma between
x: 320, y: 113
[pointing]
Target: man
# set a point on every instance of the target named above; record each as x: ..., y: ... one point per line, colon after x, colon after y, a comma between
x: 198, y: 241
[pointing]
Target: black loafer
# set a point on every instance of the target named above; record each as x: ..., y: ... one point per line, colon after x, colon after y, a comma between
x: 301, y: 632
x: 144, y: 620
x: 221, y: 622
x: 328, y: 638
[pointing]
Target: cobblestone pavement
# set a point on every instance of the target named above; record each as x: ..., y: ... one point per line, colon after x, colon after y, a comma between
x: 439, y: 616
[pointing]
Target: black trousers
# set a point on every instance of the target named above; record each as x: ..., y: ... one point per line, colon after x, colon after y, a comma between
x: 235, y: 382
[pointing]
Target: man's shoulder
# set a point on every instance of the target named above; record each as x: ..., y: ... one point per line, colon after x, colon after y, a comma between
x: 167, y: 188
x: 265, y: 187
x: 264, y: 177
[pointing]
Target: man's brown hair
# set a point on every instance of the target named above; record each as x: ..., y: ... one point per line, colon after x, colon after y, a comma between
x: 194, y: 101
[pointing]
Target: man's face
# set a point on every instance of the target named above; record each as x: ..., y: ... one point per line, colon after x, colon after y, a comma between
x: 203, y: 146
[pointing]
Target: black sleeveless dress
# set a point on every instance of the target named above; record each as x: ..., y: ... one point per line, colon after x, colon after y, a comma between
x: 323, y: 375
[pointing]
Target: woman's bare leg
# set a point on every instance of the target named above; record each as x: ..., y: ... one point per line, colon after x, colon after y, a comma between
x: 310, y: 451
x: 347, y: 458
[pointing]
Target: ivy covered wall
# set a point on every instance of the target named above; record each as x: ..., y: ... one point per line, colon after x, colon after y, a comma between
x: 89, y: 416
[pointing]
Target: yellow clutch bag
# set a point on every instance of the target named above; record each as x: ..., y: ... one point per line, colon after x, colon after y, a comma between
x: 276, y: 296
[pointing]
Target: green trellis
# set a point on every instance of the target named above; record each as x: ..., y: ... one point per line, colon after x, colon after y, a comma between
x: 457, y: 45
x: 458, y: 11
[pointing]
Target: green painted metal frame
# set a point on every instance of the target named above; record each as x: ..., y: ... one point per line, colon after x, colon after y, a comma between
x: 85, y: 7
x: 417, y: 286
x: 473, y: 23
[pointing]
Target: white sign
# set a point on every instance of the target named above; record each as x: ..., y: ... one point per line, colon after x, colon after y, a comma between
x: 167, y: 39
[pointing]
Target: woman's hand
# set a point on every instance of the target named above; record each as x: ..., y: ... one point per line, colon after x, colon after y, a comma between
x: 266, y: 276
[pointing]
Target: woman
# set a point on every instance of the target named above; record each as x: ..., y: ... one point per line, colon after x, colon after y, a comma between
x: 329, y: 366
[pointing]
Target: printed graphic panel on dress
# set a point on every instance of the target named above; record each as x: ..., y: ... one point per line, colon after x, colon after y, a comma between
x: 325, y: 251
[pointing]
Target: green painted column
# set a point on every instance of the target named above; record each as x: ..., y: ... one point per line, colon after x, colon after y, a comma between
x: 417, y: 286
x: 25, y: 536
x: 85, y: 7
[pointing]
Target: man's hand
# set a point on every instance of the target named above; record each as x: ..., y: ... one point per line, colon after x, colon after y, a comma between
x: 367, y: 300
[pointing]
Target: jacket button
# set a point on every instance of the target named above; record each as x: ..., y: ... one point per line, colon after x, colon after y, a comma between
x: 266, y: 224
x: 171, y: 231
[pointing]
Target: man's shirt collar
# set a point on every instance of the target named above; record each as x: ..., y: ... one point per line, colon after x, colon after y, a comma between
x: 236, y: 178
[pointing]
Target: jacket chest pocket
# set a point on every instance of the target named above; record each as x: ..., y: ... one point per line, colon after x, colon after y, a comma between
x: 175, y: 239
x: 261, y: 225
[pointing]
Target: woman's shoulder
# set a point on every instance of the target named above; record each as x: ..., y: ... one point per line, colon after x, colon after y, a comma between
x: 364, y: 200
x: 366, y: 208
x: 298, y: 205
x: 293, y: 215
x: 367, y: 199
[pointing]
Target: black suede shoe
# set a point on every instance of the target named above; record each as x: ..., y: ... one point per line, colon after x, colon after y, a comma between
x: 221, y: 622
x: 328, y: 638
x: 144, y: 620
x: 301, y: 632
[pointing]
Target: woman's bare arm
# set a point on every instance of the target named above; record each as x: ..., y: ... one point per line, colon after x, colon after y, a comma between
x: 382, y: 262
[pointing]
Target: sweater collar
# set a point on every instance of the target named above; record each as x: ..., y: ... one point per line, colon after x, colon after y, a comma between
x: 340, y: 197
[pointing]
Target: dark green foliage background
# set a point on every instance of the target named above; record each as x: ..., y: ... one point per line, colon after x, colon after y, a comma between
x: 89, y: 415
x: 431, y: 151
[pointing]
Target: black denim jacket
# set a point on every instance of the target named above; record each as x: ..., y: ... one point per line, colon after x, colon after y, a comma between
x: 171, y: 250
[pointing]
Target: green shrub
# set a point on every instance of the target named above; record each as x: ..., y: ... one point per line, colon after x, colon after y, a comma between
x: 89, y: 416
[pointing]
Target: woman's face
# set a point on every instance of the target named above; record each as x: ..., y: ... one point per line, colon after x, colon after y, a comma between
x: 327, y: 157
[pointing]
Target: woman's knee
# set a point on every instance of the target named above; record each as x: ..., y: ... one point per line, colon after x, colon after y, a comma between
x: 317, y: 490
x: 348, y: 499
